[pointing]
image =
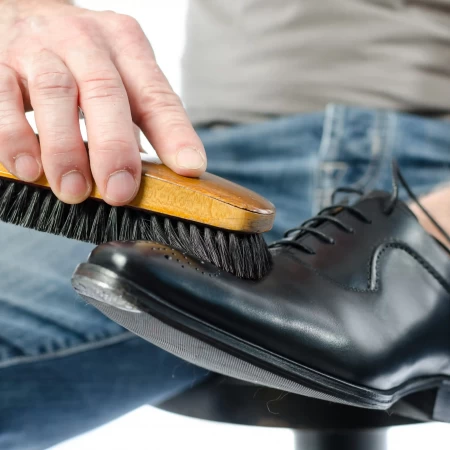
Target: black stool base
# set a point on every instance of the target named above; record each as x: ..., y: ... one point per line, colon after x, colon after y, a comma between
x: 317, y: 424
x: 341, y: 440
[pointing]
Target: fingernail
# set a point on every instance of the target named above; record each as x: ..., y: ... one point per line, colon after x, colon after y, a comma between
x: 73, y: 185
x: 121, y: 187
x: 27, y: 167
x: 189, y: 158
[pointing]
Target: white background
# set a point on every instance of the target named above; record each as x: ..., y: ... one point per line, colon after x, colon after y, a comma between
x: 163, y: 22
x: 148, y: 428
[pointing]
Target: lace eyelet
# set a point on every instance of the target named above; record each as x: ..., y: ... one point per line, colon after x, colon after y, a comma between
x: 332, y: 242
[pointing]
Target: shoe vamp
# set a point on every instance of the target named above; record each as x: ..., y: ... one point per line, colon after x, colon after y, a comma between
x: 371, y: 337
x: 378, y: 338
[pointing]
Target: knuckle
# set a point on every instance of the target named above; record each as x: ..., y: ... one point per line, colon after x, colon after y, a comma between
x: 54, y: 84
x: 126, y: 22
x: 108, y: 13
x: 102, y: 85
x: 159, y: 101
x: 83, y: 33
x: 107, y: 16
x: 114, y: 145
x: 61, y: 140
x: 11, y: 132
x: 178, y: 126
x: 131, y: 39
x: 84, y: 41
x: 81, y: 25
x: 8, y: 120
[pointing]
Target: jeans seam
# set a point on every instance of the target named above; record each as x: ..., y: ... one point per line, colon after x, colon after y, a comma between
x: 381, y: 134
x: 390, y: 137
x: 379, y: 149
x: 332, y: 125
x: 68, y: 351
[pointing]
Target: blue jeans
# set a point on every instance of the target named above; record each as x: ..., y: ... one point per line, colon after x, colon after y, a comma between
x: 65, y: 368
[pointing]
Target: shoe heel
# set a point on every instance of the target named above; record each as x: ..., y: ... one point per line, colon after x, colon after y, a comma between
x: 441, y: 409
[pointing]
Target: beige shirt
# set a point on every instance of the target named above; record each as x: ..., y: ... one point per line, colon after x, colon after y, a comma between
x: 247, y: 60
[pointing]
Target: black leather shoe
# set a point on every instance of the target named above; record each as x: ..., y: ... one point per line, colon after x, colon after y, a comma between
x: 356, y: 309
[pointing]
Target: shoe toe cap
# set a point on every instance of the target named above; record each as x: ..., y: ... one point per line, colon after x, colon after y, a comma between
x: 149, y: 264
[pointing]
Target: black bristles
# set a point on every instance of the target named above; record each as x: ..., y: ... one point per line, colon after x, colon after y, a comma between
x: 244, y: 255
x: 155, y: 231
x: 98, y: 225
x: 6, y: 199
x: 126, y: 227
x: 236, y: 256
x: 18, y: 208
x: 174, y: 240
x: 210, y: 244
x: 197, y: 243
x: 81, y: 229
x: 44, y: 213
x: 32, y: 209
x: 111, y: 229
x: 69, y: 225
x: 224, y: 250
x: 183, y: 234
x: 55, y: 223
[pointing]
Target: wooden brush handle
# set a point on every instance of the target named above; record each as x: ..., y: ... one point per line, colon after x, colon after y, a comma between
x: 208, y: 200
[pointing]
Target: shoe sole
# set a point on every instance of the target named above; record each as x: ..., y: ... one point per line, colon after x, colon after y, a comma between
x: 193, y: 340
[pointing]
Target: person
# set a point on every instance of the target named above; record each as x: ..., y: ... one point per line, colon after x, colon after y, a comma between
x: 291, y: 100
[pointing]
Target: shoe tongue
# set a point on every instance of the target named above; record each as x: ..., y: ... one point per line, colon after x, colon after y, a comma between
x: 365, y: 200
x: 364, y: 204
x: 372, y: 195
x: 355, y: 199
x: 375, y: 194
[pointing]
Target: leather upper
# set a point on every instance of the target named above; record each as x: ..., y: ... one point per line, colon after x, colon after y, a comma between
x: 372, y: 309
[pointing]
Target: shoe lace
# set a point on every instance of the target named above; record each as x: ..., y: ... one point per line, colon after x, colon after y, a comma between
x: 328, y: 214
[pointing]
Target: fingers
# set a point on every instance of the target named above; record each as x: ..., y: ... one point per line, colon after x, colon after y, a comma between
x: 54, y: 97
x: 19, y: 148
x: 155, y: 107
x: 113, y: 149
x: 112, y: 75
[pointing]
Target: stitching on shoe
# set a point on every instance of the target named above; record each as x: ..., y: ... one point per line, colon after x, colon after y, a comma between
x: 402, y: 246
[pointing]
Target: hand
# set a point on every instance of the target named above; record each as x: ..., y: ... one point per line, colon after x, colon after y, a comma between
x: 55, y: 57
x: 437, y: 203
